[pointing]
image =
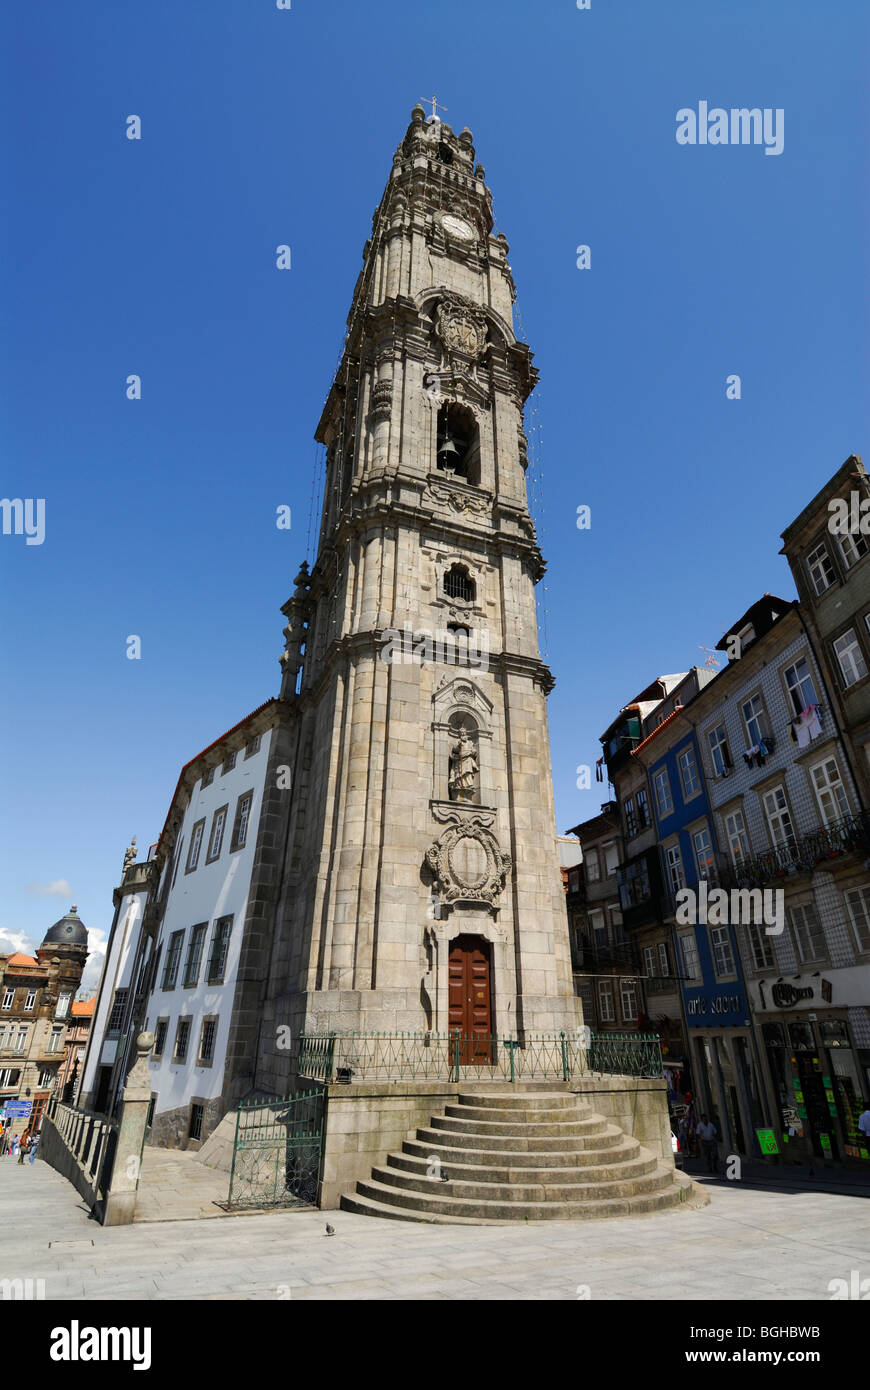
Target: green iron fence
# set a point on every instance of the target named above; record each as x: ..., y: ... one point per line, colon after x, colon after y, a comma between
x: 346, y: 1057
x: 278, y: 1151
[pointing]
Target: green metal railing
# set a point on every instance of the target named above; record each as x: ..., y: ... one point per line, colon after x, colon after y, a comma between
x: 277, y: 1151
x: 396, y: 1057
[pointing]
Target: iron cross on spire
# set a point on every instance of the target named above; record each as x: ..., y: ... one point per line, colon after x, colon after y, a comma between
x: 435, y: 105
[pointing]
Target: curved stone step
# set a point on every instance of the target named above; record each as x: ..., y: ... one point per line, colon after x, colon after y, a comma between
x: 619, y: 1152
x: 491, y: 1114
x: 461, y: 1124
x: 429, y: 1205
x: 607, y: 1137
x: 635, y: 1165
x: 633, y: 1185
x: 500, y: 1100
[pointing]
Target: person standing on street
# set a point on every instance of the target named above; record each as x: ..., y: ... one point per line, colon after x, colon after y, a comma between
x: 34, y: 1144
x: 22, y: 1150
x: 706, y: 1132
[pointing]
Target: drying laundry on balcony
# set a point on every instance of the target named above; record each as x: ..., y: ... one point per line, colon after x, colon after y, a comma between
x: 756, y: 755
x: 807, y: 726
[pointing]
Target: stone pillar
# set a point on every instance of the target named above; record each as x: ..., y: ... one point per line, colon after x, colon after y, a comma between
x: 120, y: 1200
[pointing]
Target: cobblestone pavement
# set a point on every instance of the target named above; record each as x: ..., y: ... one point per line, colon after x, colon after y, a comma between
x: 747, y: 1244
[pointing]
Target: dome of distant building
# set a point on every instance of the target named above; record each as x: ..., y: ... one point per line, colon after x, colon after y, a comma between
x: 69, y: 931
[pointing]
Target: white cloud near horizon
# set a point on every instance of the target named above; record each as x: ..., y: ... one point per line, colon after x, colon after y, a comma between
x: 58, y: 888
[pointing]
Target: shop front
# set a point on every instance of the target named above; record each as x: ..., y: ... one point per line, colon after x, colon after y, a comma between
x: 817, y: 1078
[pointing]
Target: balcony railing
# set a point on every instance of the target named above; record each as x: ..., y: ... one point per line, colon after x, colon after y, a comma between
x: 826, y: 843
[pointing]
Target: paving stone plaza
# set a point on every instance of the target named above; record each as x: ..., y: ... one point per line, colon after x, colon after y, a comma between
x: 747, y: 1245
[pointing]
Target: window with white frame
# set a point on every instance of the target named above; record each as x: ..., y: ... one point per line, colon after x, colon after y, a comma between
x: 208, y: 777
x: 703, y: 847
x: 30, y: 1001
x: 721, y: 758
x: 611, y: 859
x: 8, y: 998
x: 195, y: 843
x: 674, y: 866
x: 55, y: 1040
x: 229, y: 763
x: 63, y: 1003
x: 46, y: 1077
x: 606, y: 1010
x: 219, y: 946
x: 662, y: 786
x: 649, y: 962
x: 689, y: 953
x: 723, y: 956
x: 253, y: 746
x: 173, y: 956
x: 9, y: 1078
x: 630, y: 817
x: 591, y: 866
x: 216, y: 838
x: 858, y: 906
x: 3, y: 1035
x: 240, y: 825
x: 664, y: 962
x: 760, y: 947
x: 182, y: 1038
x: 799, y: 683
x: 829, y: 790
x: 689, y: 773
x: 207, y: 1037
x: 850, y: 658
x: 852, y: 546
x: 21, y: 1039
x: 806, y: 929
x: 778, y: 817
x: 753, y: 717
x: 735, y: 833
x: 821, y: 569
x: 116, y: 1015
x: 628, y: 995
x: 194, y: 954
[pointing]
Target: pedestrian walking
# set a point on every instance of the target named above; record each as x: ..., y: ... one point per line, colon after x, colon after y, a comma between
x: 34, y: 1145
x: 864, y: 1122
x: 706, y: 1132
x: 22, y: 1150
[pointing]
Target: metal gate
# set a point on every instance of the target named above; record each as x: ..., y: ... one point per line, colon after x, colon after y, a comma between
x: 277, y: 1152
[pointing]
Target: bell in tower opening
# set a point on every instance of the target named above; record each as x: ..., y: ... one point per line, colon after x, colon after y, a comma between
x: 459, y: 443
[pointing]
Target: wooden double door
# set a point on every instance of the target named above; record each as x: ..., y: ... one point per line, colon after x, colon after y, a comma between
x: 470, y: 999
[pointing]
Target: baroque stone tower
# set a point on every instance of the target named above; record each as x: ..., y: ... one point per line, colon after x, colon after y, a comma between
x: 421, y: 886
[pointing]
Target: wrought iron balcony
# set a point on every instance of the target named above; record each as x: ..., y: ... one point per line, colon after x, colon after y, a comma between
x: 803, y: 855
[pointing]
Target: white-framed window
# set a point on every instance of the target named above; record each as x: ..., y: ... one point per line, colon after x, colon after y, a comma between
x: 253, y: 746
x: 208, y: 777
x: 674, y: 865
x: 649, y: 962
x: 643, y: 804
x: 689, y: 774
x: 606, y: 1011
x: 723, y: 956
x: 216, y: 838
x: 173, y: 956
x: 9, y: 1077
x: 759, y: 945
x: 753, y: 717
x: 664, y: 963
x: 219, y: 946
x: 229, y: 763
x: 689, y: 953
x: 735, y: 833
x: 662, y: 786
x: 182, y: 1038
x: 30, y: 1001
x: 821, y: 570
x: 858, y: 906
x: 21, y: 1039
x: 118, y: 1009
x: 8, y: 998
x: 63, y: 1003
x: 3, y: 1035
x: 778, y: 817
x: 208, y: 1034
x: 850, y: 657
x: 829, y: 790
x: 628, y: 995
x: 55, y: 1040
x: 611, y: 859
x: 194, y: 954
x: 591, y: 866
x: 195, y: 843
x: 800, y: 685
x: 703, y: 847
x: 721, y: 758
x: 809, y: 939
x: 852, y: 546
x: 46, y: 1077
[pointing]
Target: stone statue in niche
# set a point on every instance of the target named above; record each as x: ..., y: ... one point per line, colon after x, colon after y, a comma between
x: 462, y: 780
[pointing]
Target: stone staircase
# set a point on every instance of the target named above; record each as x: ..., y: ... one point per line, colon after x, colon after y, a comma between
x: 520, y: 1157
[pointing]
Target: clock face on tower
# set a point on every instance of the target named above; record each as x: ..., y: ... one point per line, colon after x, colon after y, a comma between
x: 458, y: 227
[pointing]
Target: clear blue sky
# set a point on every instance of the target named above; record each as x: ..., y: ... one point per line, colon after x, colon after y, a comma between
x: 157, y: 257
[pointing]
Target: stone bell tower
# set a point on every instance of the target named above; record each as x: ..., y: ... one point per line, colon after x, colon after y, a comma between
x: 421, y: 888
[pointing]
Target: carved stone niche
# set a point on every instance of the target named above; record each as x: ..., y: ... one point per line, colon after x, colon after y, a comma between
x: 467, y: 864
x: 459, y: 704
